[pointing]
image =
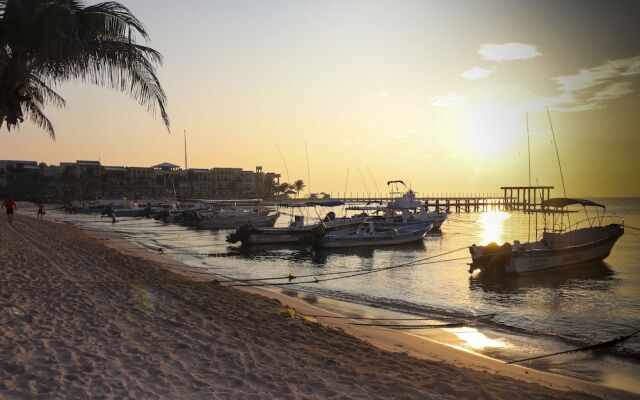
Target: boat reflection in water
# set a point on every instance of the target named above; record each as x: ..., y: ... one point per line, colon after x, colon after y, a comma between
x: 588, y: 276
x: 322, y: 256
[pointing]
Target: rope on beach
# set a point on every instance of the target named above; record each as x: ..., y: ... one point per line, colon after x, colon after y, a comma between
x: 632, y: 227
x: 596, y: 346
x: 360, y: 272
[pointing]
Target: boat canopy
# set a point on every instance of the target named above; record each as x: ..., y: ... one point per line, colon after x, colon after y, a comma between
x: 314, y: 203
x: 227, y: 201
x: 562, y: 202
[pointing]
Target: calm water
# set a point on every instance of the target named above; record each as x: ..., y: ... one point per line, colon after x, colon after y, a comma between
x: 534, y: 314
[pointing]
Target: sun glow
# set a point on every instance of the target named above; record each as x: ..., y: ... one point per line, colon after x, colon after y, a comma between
x: 492, y: 226
x: 491, y: 130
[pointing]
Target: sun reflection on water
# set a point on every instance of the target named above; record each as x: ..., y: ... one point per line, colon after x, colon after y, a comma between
x: 492, y: 226
x: 474, y: 338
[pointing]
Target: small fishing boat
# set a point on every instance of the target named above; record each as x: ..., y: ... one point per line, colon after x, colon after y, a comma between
x: 368, y: 235
x: 407, y: 208
x: 296, y: 232
x: 560, y: 245
x: 230, y: 214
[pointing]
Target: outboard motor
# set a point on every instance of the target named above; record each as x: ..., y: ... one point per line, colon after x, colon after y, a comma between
x: 330, y: 216
x: 240, y: 235
x: 490, y: 257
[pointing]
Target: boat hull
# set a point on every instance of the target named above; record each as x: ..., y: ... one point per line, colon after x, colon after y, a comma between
x: 507, y: 260
x: 302, y: 235
x: 537, y: 260
x: 235, y: 222
x: 356, y: 240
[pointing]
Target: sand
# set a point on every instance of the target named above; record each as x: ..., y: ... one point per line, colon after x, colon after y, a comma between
x: 127, y: 327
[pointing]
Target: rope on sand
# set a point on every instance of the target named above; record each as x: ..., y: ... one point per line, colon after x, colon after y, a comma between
x: 596, y: 346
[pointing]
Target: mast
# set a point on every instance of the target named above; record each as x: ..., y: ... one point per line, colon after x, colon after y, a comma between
x: 526, y: 115
x: 308, y: 170
x: 564, y: 189
x: 186, y: 166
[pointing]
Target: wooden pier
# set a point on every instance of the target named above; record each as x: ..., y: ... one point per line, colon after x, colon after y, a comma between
x: 527, y: 198
x: 524, y: 198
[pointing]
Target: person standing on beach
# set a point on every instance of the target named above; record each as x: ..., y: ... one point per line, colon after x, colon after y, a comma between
x: 10, y: 205
x: 41, y: 211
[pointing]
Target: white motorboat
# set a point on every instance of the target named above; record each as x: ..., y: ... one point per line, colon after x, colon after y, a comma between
x: 412, y: 209
x: 559, y: 246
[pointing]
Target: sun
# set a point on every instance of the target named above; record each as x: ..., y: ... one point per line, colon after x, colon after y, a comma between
x: 492, y: 130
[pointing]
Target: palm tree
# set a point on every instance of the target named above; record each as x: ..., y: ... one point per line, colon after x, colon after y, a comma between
x: 298, y: 186
x: 44, y: 43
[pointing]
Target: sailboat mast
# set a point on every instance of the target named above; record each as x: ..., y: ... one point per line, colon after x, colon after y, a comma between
x: 526, y: 115
x: 564, y: 189
x: 186, y: 166
x: 308, y: 170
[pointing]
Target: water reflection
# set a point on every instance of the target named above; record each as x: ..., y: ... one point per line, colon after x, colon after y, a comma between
x: 492, y: 224
x: 322, y: 256
x: 475, y: 339
x: 593, y: 276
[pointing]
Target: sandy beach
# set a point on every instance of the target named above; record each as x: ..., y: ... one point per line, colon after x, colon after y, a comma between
x: 82, y: 318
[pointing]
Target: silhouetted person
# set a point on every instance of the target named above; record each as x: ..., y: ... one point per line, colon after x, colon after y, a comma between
x: 41, y: 211
x: 110, y: 212
x: 10, y: 205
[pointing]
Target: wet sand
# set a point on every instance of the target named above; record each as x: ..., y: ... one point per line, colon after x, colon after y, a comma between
x: 83, y: 319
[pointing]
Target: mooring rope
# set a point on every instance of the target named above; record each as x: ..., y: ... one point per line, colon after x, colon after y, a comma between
x: 422, y: 261
x: 596, y: 346
x: 291, y: 277
x: 398, y: 319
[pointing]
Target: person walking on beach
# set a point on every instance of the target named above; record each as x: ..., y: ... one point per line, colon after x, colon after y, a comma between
x: 41, y: 211
x: 10, y: 205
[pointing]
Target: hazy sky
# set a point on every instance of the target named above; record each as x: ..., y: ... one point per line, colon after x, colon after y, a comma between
x: 431, y: 92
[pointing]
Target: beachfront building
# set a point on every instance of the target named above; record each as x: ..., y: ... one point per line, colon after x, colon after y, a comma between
x: 86, y: 179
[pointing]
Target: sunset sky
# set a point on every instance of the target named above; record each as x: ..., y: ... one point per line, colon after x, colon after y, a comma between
x: 431, y: 92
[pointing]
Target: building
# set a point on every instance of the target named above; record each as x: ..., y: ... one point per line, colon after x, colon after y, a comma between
x: 85, y: 179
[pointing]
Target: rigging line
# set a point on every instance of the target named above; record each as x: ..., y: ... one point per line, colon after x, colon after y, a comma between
x: 371, y: 271
x: 346, y: 184
x: 564, y: 189
x: 308, y: 170
x: 363, y: 181
x: 529, y: 190
x: 285, y: 163
x: 373, y: 180
x: 585, y: 348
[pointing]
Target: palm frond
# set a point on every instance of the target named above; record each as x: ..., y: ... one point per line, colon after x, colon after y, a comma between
x: 113, y: 18
x: 45, y: 92
x: 35, y: 114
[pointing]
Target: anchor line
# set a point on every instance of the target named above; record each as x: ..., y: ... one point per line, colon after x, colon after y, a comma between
x: 596, y: 346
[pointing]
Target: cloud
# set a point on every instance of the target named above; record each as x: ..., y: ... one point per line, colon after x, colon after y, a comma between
x: 381, y: 94
x: 613, y: 91
x: 587, y: 78
x: 475, y: 73
x: 606, y: 78
x: 508, y: 51
x: 449, y: 99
